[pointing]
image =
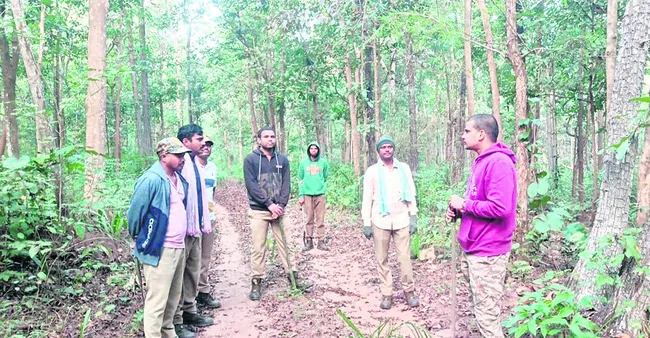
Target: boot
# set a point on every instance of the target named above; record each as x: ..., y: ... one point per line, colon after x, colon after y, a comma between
x: 196, y: 319
x: 386, y: 302
x: 309, y: 244
x: 183, y: 332
x: 205, y: 300
x: 303, y: 285
x: 256, y: 289
x: 321, y: 245
x: 411, y: 299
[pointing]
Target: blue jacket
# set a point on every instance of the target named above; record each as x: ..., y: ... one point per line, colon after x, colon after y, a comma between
x: 148, y: 215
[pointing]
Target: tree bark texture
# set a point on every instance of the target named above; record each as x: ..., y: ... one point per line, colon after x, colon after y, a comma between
x: 352, y: 102
x: 179, y: 97
x: 44, y: 137
x: 117, y: 136
x: 136, y: 98
x: 521, y: 110
x: 96, y: 97
x: 551, y: 129
x: 146, y: 105
x: 376, y: 55
x: 492, y: 66
x: 369, y: 111
x: 413, y: 120
x: 251, y: 104
x: 9, y: 56
x: 579, y: 168
x: 614, y: 204
x: 282, y: 109
x: 469, y: 77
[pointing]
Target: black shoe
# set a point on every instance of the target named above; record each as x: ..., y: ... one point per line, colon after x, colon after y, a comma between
x: 196, y: 319
x: 303, y: 285
x: 256, y: 289
x: 412, y: 299
x: 183, y: 332
x: 321, y: 246
x: 386, y: 302
x: 309, y: 244
x: 206, y: 300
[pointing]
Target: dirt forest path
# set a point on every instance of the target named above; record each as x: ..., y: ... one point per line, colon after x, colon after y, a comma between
x: 345, y: 278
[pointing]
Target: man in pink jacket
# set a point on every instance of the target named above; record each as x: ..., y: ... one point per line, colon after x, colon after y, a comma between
x: 488, y: 217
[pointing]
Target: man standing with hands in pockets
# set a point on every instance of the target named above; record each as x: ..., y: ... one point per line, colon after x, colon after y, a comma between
x: 488, y: 220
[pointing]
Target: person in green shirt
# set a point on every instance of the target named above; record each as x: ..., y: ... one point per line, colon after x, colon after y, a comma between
x: 312, y: 182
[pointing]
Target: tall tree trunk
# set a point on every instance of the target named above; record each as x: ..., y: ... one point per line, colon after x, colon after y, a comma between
x: 96, y: 97
x: 492, y: 66
x: 450, y: 139
x: 614, y: 204
x: 9, y: 57
x: 551, y: 130
x: 376, y: 54
x: 580, y: 134
x: 610, y: 60
x: 345, y: 150
x: 459, y: 124
x: 44, y: 137
x: 281, y: 106
x: 188, y: 51
x: 117, y: 136
x: 146, y: 105
x: 251, y: 104
x: 318, y: 119
x: 136, y: 98
x: 369, y: 110
x: 352, y: 102
x: 521, y: 104
x: 413, y: 121
x: 594, y: 140
x: 469, y: 78
x: 392, y: 80
x: 179, y: 97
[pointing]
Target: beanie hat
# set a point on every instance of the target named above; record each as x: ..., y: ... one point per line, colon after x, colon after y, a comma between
x: 383, y: 140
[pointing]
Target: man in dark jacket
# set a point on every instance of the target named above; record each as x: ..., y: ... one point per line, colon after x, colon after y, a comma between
x: 266, y: 174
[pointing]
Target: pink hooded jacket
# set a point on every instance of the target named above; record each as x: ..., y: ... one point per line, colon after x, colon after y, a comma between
x: 489, y: 219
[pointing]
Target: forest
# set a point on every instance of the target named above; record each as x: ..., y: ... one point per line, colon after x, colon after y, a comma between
x: 88, y: 89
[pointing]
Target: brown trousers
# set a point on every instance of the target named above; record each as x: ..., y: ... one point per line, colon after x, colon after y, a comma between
x: 401, y: 239
x: 260, y: 222
x: 163, y: 293
x: 315, y: 212
x: 207, y: 243
x: 190, y: 278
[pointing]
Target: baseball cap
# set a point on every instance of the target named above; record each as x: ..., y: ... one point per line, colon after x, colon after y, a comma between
x: 207, y: 140
x: 171, y: 145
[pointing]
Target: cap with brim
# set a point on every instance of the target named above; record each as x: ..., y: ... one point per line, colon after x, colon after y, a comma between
x: 171, y: 145
x: 207, y: 140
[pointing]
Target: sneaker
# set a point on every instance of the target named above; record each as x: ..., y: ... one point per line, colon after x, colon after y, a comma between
x: 309, y: 244
x: 256, y: 289
x: 195, y: 319
x: 321, y: 245
x: 206, y: 300
x: 183, y: 332
x: 412, y: 300
x: 386, y: 302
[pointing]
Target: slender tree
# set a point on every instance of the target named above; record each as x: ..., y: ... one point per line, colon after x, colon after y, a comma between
x: 96, y: 97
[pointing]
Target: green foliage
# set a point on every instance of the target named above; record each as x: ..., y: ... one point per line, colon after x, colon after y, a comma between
x: 551, y: 311
x: 385, y: 329
x: 343, y: 187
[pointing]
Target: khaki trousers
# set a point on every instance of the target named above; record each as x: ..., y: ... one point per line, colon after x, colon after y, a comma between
x: 315, y: 210
x: 260, y: 222
x: 486, y: 276
x: 207, y: 243
x: 164, y: 283
x: 401, y: 239
x: 191, y: 274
